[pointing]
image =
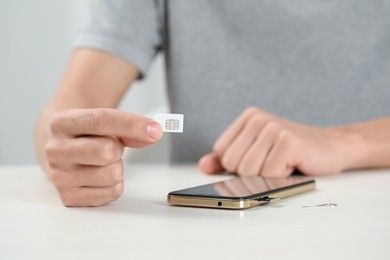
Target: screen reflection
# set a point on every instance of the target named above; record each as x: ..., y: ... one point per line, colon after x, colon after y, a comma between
x: 246, y: 186
x: 240, y: 187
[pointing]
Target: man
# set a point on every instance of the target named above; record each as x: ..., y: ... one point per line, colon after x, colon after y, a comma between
x: 307, y: 81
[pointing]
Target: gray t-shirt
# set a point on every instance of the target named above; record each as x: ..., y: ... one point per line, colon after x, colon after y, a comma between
x: 313, y: 61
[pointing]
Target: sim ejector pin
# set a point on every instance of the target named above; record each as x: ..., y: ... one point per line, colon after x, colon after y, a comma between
x: 322, y: 205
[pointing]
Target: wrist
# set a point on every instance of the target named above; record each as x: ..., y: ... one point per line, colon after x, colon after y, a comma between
x: 349, y: 147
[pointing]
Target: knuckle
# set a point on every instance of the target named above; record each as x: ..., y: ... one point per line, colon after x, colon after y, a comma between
x: 267, y: 173
x: 109, y: 151
x: 228, y: 164
x: 117, y: 172
x: 68, y: 202
x: 285, y: 137
x: 244, y: 171
x: 250, y: 111
x: 256, y: 122
x: 240, y: 172
x: 133, y: 123
x: 56, y: 122
x: 117, y: 191
x: 217, y: 148
x: 67, y: 198
x: 52, y: 151
x: 96, y: 118
x: 272, y: 127
x: 56, y: 177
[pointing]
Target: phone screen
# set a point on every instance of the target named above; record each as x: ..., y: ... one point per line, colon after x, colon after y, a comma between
x: 242, y: 187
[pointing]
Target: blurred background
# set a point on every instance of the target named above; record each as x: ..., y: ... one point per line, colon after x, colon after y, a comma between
x: 35, y: 43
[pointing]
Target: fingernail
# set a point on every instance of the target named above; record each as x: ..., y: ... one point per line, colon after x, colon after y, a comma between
x: 154, y: 131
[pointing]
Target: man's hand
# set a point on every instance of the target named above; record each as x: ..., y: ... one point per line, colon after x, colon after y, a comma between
x: 258, y: 143
x: 85, y: 148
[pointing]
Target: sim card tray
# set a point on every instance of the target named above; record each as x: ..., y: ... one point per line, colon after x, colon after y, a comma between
x: 263, y: 200
x: 268, y: 199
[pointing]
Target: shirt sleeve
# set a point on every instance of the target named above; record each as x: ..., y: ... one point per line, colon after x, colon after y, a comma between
x: 130, y: 29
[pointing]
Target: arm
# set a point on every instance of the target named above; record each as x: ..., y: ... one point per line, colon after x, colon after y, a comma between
x: 80, y: 138
x: 369, y: 144
x: 259, y: 143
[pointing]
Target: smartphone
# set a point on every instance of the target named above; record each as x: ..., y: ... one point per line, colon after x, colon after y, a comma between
x: 241, y: 192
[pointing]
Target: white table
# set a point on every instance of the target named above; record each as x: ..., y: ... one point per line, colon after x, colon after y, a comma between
x: 140, y: 225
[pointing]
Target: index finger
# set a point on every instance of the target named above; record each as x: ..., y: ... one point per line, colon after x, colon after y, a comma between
x: 233, y: 130
x: 106, y: 122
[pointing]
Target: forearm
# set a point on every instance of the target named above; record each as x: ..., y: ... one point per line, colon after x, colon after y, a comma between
x: 364, y: 145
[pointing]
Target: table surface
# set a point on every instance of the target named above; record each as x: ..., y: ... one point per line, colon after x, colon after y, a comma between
x: 140, y: 225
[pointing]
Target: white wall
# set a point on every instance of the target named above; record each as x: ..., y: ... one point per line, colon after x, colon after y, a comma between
x: 35, y: 39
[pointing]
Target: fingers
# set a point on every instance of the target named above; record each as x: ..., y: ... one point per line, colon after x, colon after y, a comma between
x: 88, y: 176
x: 210, y: 164
x: 87, y: 171
x: 90, y: 196
x: 85, y: 149
x: 252, y: 162
x: 239, y: 146
x: 88, y: 150
x: 280, y: 161
x: 234, y: 129
x: 106, y: 122
x: 89, y: 185
x: 255, y: 144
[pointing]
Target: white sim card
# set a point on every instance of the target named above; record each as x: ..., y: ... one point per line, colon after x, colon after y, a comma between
x: 172, y: 123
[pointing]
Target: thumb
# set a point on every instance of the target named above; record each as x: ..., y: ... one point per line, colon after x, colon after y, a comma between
x: 154, y: 132
x: 210, y: 164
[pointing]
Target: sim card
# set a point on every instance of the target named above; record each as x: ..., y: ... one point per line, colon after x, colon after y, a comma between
x: 172, y: 123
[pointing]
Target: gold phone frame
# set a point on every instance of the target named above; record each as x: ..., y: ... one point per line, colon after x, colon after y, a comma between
x: 241, y: 203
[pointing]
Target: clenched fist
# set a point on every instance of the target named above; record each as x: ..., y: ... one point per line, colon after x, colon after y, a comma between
x: 85, y: 149
x: 259, y: 143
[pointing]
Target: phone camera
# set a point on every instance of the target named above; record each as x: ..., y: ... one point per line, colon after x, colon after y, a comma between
x: 219, y: 203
